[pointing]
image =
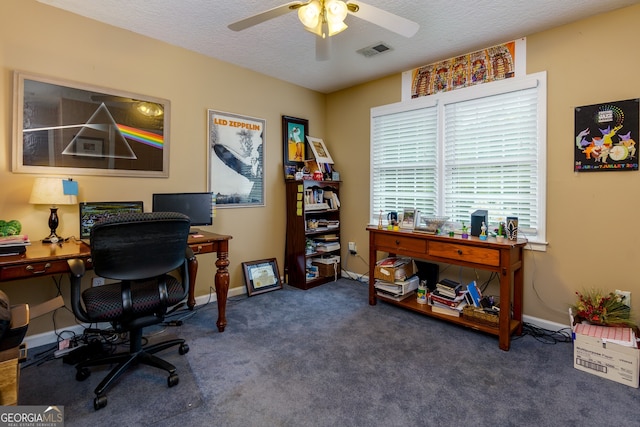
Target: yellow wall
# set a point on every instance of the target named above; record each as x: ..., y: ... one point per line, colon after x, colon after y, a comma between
x: 40, y: 39
x: 590, y: 217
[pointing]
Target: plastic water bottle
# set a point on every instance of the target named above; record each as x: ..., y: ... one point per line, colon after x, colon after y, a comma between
x: 422, y: 292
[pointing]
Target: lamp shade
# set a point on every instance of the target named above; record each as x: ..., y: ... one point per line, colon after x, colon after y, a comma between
x: 50, y: 191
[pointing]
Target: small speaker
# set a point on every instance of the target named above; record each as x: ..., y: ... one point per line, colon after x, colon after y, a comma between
x: 477, y: 218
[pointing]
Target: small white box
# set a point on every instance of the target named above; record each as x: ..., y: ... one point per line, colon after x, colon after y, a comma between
x: 606, y: 359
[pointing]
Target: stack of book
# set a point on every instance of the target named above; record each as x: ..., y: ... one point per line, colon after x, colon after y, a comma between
x: 14, y: 245
x: 447, y: 298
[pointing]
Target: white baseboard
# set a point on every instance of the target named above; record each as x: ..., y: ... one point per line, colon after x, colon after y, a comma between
x: 545, y: 324
x: 50, y: 337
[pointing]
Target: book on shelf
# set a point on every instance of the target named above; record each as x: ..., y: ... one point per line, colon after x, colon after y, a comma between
x: 395, y: 297
x: 331, y: 199
x: 474, y: 293
x: 454, y: 312
x: 316, y: 206
x: 327, y: 238
x: 327, y: 246
x: 393, y: 261
x: 450, y: 302
x: 449, y: 287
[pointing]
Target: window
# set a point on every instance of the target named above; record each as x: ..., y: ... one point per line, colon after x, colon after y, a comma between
x: 450, y: 154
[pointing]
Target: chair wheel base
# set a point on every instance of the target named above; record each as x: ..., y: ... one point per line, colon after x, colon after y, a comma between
x: 82, y: 374
x: 173, y: 380
x: 183, y: 349
x: 99, y: 402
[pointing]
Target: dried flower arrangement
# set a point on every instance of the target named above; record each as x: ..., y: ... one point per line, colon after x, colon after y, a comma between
x: 600, y: 308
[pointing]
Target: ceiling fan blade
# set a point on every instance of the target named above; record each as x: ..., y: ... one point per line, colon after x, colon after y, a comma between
x: 323, y: 48
x: 384, y: 19
x: 265, y: 16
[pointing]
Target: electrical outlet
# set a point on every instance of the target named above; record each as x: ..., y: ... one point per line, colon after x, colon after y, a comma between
x: 352, y: 248
x: 626, y: 297
x: 97, y: 281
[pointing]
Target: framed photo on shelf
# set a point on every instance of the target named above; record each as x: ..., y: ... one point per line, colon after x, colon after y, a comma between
x: 408, y: 219
x: 294, y: 133
x: 319, y: 150
x: 261, y: 276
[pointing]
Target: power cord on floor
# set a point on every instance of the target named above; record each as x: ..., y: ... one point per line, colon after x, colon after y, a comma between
x: 545, y: 336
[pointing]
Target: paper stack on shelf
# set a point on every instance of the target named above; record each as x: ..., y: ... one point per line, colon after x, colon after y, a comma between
x: 14, y: 245
x: 397, y: 290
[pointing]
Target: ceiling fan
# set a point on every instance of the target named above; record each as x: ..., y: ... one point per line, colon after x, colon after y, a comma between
x: 325, y: 18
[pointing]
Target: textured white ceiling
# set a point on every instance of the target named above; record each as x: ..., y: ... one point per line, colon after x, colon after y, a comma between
x: 283, y: 49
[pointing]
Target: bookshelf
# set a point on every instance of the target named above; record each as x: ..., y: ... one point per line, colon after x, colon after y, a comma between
x: 505, y: 259
x: 312, y: 252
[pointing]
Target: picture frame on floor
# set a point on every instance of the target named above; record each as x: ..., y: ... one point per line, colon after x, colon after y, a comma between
x: 261, y: 276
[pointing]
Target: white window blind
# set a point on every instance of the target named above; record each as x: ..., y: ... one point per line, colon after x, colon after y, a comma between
x: 453, y: 153
x: 404, y: 155
x: 490, y: 157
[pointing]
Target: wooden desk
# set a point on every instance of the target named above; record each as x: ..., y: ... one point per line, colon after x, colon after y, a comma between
x: 503, y: 258
x: 205, y: 243
x: 44, y: 259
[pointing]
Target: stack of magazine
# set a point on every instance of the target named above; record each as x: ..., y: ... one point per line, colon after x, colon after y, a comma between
x: 14, y: 245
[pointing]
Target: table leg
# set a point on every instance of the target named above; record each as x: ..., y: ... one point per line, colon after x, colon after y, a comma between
x: 193, y: 271
x: 222, y: 284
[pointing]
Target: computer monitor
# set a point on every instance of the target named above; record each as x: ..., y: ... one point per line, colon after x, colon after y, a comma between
x: 197, y: 206
x: 92, y: 212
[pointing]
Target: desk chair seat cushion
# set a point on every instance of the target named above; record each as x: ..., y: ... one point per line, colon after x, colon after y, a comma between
x: 105, y: 303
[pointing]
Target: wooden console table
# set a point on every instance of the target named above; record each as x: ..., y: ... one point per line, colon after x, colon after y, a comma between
x: 505, y: 258
x: 45, y: 259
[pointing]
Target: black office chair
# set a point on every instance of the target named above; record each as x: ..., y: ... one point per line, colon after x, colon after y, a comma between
x: 139, y: 250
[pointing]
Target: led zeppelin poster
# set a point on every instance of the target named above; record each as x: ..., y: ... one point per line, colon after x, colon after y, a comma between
x: 606, y: 136
x: 236, y: 159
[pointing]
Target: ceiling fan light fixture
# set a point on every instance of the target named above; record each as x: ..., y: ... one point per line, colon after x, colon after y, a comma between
x: 324, y: 18
x: 310, y: 14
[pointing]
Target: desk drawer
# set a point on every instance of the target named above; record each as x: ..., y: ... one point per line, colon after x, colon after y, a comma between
x: 401, y: 243
x: 202, y: 248
x: 24, y: 271
x: 466, y: 253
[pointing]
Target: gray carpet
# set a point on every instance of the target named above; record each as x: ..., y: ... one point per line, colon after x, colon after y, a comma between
x: 324, y: 357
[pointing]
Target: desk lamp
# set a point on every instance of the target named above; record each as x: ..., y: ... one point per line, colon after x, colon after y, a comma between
x: 51, y: 191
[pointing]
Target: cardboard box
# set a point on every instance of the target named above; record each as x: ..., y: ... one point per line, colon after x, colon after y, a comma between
x: 606, y: 359
x: 9, y: 376
x: 402, y: 269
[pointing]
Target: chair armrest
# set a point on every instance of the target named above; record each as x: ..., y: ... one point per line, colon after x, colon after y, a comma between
x: 77, y: 267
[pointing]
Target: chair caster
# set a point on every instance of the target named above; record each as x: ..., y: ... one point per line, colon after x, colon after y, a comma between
x: 173, y: 380
x: 183, y: 349
x: 99, y: 402
x: 82, y: 374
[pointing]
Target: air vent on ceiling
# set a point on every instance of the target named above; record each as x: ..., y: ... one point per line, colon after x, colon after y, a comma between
x: 374, y: 49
